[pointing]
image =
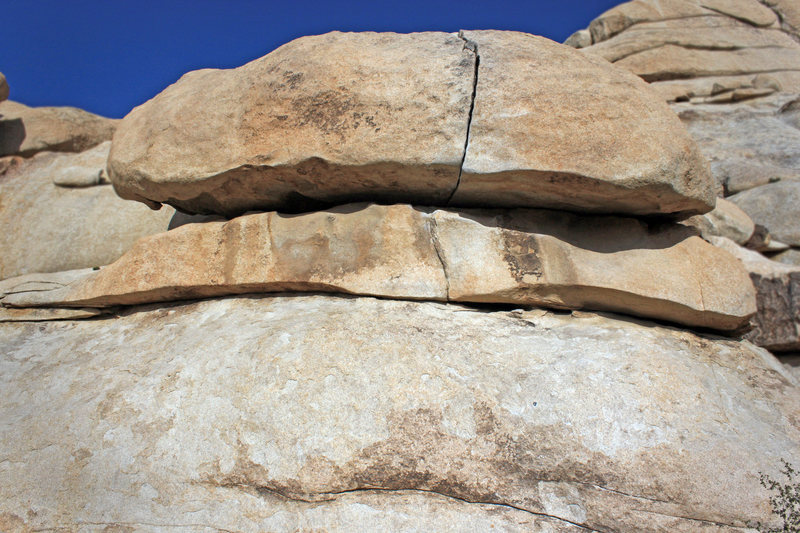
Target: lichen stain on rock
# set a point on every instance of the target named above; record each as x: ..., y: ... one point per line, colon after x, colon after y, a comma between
x: 521, y: 252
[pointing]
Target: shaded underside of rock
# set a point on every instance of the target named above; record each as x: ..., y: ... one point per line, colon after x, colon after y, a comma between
x: 777, y: 322
x: 532, y: 97
x: 775, y: 206
x: 388, y: 117
x: 25, y: 130
x: 49, y: 228
x: 525, y: 257
x: 291, y: 412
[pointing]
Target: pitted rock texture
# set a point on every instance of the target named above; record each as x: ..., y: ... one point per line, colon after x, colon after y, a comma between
x: 25, y: 131
x: 45, y: 227
x: 365, y: 407
x: 524, y: 257
x: 776, y: 325
x: 481, y: 118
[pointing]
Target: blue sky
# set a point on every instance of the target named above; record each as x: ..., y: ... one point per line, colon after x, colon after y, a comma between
x: 111, y: 55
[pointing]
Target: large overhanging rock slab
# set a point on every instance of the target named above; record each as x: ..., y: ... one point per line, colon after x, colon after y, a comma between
x: 386, y: 117
x: 27, y: 130
x: 542, y: 135
x: 322, y: 119
x: 47, y: 227
x: 302, y: 412
x: 524, y: 257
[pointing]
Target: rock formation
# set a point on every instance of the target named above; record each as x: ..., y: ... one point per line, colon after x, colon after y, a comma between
x: 731, y: 71
x: 340, y: 105
x: 26, y: 131
x: 434, y: 315
x: 58, y: 213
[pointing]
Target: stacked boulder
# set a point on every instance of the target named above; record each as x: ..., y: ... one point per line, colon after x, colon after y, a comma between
x: 730, y: 69
x: 409, y: 246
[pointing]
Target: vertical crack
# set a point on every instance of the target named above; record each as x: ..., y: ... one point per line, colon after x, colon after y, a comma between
x: 433, y: 230
x: 472, y: 46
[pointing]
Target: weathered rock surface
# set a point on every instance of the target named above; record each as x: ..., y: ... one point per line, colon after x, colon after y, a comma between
x: 748, y: 144
x: 320, y: 120
x: 525, y: 257
x: 3, y: 88
x: 726, y: 220
x: 697, y: 39
x: 777, y: 322
x: 27, y: 130
x: 629, y: 14
x: 775, y: 206
x: 48, y: 228
x: 300, y: 412
x: 532, y: 96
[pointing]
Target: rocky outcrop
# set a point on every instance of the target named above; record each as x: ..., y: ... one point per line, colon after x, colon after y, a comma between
x: 521, y: 257
x: 25, y: 131
x: 329, y: 411
x: 47, y: 227
x: 483, y: 118
x: 777, y: 322
x: 734, y: 63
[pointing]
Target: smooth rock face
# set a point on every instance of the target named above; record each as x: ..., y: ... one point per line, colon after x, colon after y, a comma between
x: 49, y: 228
x: 524, y: 257
x: 726, y: 220
x: 532, y: 97
x: 777, y: 322
x: 415, y: 407
x: 3, y: 88
x: 27, y: 130
x: 322, y: 119
x: 776, y: 206
x: 386, y: 117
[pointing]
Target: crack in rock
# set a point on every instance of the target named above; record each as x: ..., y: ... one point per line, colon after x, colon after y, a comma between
x: 472, y: 47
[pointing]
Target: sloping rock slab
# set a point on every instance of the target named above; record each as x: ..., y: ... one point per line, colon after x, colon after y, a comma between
x: 775, y: 206
x: 777, y: 322
x: 526, y: 149
x: 300, y: 412
x: 525, y: 257
x: 48, y: 228
x: 386, y: 117
x: 27, y: 130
